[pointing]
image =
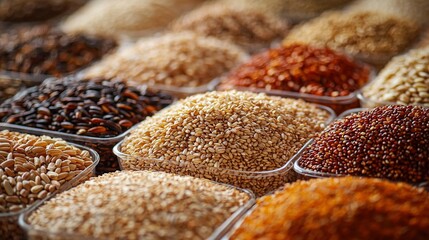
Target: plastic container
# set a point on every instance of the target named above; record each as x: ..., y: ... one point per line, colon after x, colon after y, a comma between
x: 225, y: 231
x: 11, y: 83
x: 108, y: 161
x: 32, y: 233
x: 9, y: 228
x: 306, y: 174
x: 338, y: 104
x: 371, y: 103
x: 260, y: 182
x: 182, y: 92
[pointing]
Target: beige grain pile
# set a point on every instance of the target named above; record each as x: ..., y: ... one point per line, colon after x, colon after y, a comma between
x: 32, y: 168
x: 230, y: 130
x: 405, y: 80
x: 294, y: 9
x: 140, y: 205
x: 177, y: 59
x: 234, y: 130
x: 245, y: 27
x: 115, y: 17
x: 371, y: 35
x: 412, y: 9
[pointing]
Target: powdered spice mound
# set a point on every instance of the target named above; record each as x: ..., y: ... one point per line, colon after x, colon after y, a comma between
x: 140, y: 205
x: 232, y: 130
x: 340, y: 208
x: 387, y: 142
x: 300, y: 68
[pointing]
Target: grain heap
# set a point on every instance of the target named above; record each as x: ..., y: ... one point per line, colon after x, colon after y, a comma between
x: 405, y: 80
x: 293, y: 9
x: 117, y: 17
x: 34, y: 167
x: 300, y: 68
x: 248, y: 28
x: 140, y: 205
x: 35, y: 10
x: 177, y: 59
x: 44, y: 50
x: 340, y: 208
x: 387, y: 142
x: 373, y: 36
x: 225, y: 130
x: 414, y: 9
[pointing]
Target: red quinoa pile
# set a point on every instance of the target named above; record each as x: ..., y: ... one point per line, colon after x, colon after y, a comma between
x: 387, y: 142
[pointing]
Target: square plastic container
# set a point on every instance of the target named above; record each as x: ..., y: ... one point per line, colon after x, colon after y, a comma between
x: 371, y: 103
x: 35, y: 234
x: 182, y: 92
x: 225, y: 231
x: 338, y: 104
x: 108, y: 161
x: 11, y: 83
x: 9, y: 228
x: 259, y: 182
x: 306, y: 174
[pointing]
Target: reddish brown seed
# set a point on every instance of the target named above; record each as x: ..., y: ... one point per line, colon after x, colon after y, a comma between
x: 125, y: 123
x: 98, y: 129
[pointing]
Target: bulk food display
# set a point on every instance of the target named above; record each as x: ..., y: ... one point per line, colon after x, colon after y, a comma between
x: 137, y: 205
x: 240, y: 138
x: 185, y: 111
x: 33, y: 168
x: 318, y: 75
x: 91, y: 112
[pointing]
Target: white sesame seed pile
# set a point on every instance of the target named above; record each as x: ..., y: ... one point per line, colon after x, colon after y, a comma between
x: 140, y: 205
x: 182, y: 59
x: 229, y: 130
